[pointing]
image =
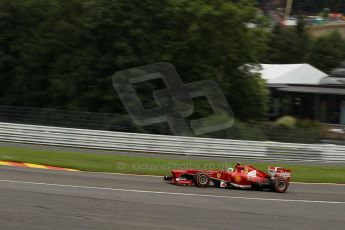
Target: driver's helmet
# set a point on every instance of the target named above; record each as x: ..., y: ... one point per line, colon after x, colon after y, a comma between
x: 230, y: 169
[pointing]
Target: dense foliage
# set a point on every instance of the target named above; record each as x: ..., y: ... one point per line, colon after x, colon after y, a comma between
x: 61, y: 54
x: 291, y: 45
x: 327, y: 52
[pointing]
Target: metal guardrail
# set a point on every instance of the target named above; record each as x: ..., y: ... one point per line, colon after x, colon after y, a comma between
x: 164, y: 144
x: 123, y: 123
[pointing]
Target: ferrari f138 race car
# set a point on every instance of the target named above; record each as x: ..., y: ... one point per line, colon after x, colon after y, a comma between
x: 242, y: 176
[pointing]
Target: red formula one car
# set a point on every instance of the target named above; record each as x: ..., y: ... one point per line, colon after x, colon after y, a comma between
x: 242, y: 176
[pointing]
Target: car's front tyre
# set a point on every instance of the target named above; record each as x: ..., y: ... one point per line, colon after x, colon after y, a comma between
x: 201, y: 180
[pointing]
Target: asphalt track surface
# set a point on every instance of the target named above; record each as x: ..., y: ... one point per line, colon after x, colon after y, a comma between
x: 44, y: 199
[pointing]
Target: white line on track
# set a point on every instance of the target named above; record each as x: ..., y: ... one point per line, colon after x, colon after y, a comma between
x: 172, y: 193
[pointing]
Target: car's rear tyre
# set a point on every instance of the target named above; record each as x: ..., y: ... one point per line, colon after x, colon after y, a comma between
x: 279, y: 185
x: 201, y: 180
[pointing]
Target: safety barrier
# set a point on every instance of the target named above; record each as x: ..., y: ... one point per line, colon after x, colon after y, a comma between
x: 165, y: 144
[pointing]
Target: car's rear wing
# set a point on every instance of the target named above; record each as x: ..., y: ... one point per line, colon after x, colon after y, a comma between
x: 279, y: 172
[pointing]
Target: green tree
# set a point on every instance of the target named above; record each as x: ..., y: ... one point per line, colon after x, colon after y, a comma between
x: 289, y: 45
x: 327, y: 52
x: 62, y: 54
x: 16, y: 23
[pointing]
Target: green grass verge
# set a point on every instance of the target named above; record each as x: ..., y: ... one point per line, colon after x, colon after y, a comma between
x: 154, y: 166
